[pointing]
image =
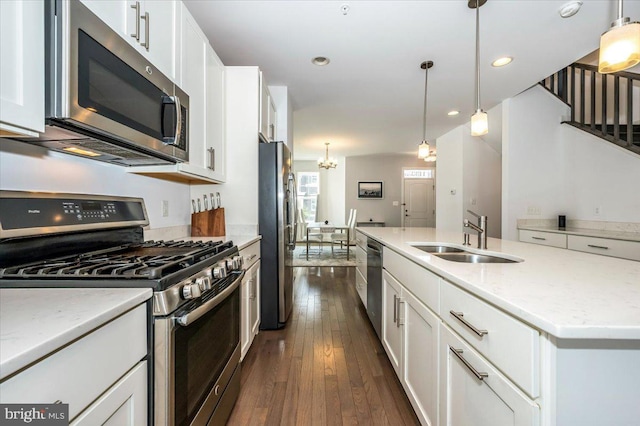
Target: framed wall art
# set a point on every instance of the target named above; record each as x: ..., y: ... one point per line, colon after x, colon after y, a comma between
x: 370, y: 190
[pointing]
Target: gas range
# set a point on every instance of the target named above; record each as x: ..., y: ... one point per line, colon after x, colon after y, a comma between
x: 100, y: 244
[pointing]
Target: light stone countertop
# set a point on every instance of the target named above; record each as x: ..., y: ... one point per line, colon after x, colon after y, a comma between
x: 35, y: 322
x: 565, y: 293
x: 586, y: 232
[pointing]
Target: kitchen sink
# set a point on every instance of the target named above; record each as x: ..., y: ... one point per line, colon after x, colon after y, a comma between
x: 466, y: 257
x: 439, y: 249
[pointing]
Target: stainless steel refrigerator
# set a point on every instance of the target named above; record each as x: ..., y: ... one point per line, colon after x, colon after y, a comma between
x: 277, y: 225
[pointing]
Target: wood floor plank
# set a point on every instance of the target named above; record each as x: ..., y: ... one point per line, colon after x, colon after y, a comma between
x: 326, y: 367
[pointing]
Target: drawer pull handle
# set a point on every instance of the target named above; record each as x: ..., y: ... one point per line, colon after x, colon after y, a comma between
x: 253, y: 256
x: 395, y: 308
x: 460, y: 317
x: 539, y: 238
x: 598, y: 247
x: 458, y: 354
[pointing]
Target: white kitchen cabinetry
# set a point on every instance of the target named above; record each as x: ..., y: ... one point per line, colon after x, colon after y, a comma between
x: 361, y: 267
x: 202, y: 78
x: 410, y: 338
x: 605, y: 246
x: 474, y: 393
x: 148, y: 25
x: 267, y: 112
x: 250, y: 295
x: 21, y: 68
x: 552, y: 239
x: 94, y: 375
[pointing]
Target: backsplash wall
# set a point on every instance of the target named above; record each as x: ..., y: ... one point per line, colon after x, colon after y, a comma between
x: 30, y: 168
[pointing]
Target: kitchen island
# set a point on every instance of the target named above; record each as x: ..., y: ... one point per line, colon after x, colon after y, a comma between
x: 551, y: 340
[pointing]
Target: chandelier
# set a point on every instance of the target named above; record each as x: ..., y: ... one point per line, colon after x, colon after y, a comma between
x: 327, y: 163
x: 423, y: 148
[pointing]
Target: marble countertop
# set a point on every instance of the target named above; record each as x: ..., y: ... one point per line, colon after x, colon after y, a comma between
x: 565, y: 293
x: 36, y: 322
x: 586, y: 232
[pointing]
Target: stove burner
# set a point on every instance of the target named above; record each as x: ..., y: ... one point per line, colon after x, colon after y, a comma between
x: 148, y: 260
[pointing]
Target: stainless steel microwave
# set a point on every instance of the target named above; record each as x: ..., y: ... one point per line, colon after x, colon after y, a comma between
x: 105, y: 100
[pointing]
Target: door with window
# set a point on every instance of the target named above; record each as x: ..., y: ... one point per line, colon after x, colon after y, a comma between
x: 419, y: 203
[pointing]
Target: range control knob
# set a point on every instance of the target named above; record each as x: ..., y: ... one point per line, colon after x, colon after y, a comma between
x: 230, y: 264
x: 204, y: 283
x: 191, y: 291
x: 237, y: 261
x: 220, y: 270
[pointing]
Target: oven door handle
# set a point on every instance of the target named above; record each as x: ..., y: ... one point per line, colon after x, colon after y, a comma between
x: 187, y: 319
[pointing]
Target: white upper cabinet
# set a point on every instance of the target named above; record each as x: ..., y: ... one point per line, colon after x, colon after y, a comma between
x: 201, y: 74
x: 267, y: 112
x: 148, y: 25
x: 21, y: 68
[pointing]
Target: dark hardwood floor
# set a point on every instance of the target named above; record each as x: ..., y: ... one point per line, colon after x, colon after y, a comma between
x: 326, y: 367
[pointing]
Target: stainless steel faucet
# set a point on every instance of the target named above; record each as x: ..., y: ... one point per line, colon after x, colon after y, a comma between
x: 481, y: 229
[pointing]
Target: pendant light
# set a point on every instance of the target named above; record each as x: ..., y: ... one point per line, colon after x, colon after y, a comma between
x: 620, y: 45
x: 479, y: 120
x: 423, y: 148
x: 327, y: 163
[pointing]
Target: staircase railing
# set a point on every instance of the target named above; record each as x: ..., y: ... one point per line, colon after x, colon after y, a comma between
x: 601, y: 104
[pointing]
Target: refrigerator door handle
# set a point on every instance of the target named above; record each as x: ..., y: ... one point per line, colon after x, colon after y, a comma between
x: 293, y: 210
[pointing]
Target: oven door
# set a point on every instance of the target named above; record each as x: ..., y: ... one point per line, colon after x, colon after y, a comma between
x: 197, y: 357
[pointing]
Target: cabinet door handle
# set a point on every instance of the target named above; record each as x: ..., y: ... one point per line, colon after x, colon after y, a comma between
x: 147, y: 22
x: 136, y: 6
x: 458, y: 354
x: 460, y: 317
x: 598, y: 247
x: 272, y: 132
x: 398, y: 322
x: 395, y: 308
x: 538, y: 238
x: 212, y: 158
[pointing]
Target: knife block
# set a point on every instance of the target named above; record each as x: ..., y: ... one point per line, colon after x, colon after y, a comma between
x: 209, y: 223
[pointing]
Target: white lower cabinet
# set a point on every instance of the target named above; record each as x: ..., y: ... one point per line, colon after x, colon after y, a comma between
x: 250, y: 297
x: 361, y: 287
x: 410, y: 338
x: 474, y: 393
x: 95, y: 375
x: 124, y: 404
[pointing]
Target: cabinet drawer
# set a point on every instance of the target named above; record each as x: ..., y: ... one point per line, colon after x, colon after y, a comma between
x: 81, y: 372
x: 544, y: 238
x: 422, y: 283
x: 361, y: 240
x: 508, y: 343
x: 361, y: 287
x: 467, y: 400
x: 250, y: 254
x: 607, y: 247
x: 361, y: 261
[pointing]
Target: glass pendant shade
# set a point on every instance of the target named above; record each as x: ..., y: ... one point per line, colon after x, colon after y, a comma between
x: 479, y: 123
x: 423, y: 149
x: 620, y: 47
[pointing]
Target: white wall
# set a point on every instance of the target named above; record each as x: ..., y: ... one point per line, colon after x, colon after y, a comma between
x: 471, y: 168
x: 27, y: 167
x: 551, y: 168
x: 386, y: 168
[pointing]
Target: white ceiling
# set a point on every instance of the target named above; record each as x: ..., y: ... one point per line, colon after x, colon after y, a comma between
x: 369, y: 98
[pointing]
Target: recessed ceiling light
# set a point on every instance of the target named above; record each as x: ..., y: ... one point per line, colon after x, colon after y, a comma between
x: 501, y: 62
x: 454, y: 112
x: 320, y: 61
x: 567, y: 10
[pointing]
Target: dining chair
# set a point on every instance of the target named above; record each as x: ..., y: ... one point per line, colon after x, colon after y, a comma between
x: 341, y: 237
x: 314, y: 237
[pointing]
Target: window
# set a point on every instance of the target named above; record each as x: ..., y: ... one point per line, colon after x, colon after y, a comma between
x: 308, y: 191
x: 418, y: 173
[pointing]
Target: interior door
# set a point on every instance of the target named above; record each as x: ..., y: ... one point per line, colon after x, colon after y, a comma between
x: 419, y: 203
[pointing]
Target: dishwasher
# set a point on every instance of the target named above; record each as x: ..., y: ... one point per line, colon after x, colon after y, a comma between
x: 374, y: 284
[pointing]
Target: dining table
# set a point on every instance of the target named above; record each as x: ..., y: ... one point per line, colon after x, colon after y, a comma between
x: 325, y: 227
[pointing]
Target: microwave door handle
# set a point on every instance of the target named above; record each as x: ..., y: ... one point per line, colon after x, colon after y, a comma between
x: 176, y: 139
